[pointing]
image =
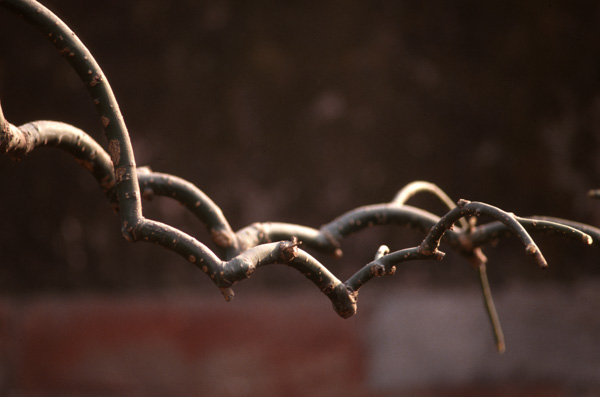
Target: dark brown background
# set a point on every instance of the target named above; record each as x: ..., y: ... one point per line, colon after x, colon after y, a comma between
x: 298, y: 112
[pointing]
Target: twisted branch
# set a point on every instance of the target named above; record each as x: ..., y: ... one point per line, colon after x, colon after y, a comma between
x: 251, y: 247
x: 259, y: 244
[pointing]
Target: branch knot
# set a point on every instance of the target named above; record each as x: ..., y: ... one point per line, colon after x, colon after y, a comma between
x: 288, y: 250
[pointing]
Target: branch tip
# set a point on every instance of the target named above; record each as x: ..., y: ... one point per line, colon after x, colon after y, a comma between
x: 344, y: 301
x: 382, y: 251
x: 338, y: 253
x: 531, y: 249
x: 501, y: 347
x: 438, y: 255
x: 462, y: 202
x: 228, y: 293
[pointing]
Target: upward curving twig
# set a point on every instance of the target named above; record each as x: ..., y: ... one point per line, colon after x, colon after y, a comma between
x: 417, y: 187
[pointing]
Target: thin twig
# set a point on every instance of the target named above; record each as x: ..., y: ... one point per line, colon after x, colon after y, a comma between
x: 491, y: 308
x: 417, y: 187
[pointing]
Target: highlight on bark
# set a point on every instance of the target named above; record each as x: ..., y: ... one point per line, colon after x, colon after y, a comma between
x: 238, y: 254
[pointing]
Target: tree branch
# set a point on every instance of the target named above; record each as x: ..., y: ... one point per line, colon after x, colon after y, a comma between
x: 196, y: 201
x: 417, y: 187
x: 20, y: 141
x: 484, y: 234
x: 243, y: 252
x: 88, y: 70
x: 465, y: 208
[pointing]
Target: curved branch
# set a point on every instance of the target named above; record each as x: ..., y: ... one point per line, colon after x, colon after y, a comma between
x: 465, y: 208
x: 378, y: 214
x: 21, y: 140
x: 88, y: 70
x: 343, y: 296
x: 385, y: 265
x: 328, y: 238
x: 93, y: 157
x: 254, y: 238
x: 488, y: 232
x: 196, y: 201
x: 344, y: 300
x: 416, y: 187
x: 474, y: 254
x: 223, y: 274
x: 183, y: 244
x: 592, y: 231
x: 266, y: 232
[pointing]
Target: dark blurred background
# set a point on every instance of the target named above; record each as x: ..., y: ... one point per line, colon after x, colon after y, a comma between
x: 299, y: 111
